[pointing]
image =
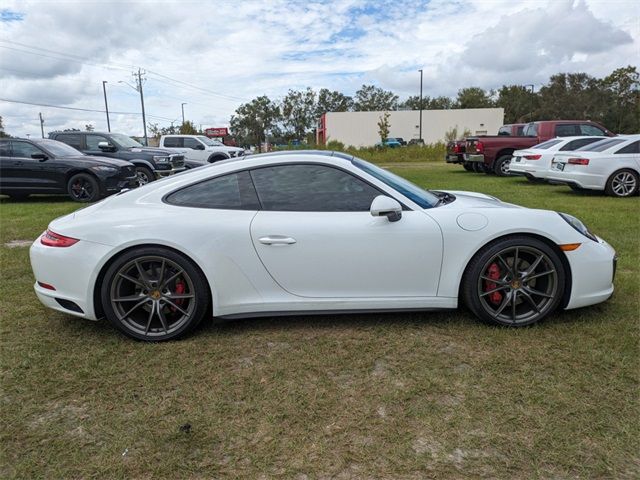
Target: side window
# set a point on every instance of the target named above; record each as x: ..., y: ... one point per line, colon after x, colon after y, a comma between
x: 172, y: 142
x: 72, y: 139
x: 311, y: 188
x: 520, y: 130
x: 591, y: 130
x: 94, y: 140
x: 191, y: 142
x: 633, y: 147
x: 505, y: 130
x: 575, y: 144
x: 229, y: 192
x: 566, y: 130
x: 5, y: 150
x: 24, y: 149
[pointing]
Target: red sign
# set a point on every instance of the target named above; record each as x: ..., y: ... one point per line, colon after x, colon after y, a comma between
x: 216, y: 132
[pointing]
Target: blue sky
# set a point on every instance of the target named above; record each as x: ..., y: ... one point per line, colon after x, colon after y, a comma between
x: 225, y: 52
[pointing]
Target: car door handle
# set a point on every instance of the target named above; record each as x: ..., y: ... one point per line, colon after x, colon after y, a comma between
x: 277, y: 240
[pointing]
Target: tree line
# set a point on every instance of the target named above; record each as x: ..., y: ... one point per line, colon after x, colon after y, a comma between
x: 612, y: 101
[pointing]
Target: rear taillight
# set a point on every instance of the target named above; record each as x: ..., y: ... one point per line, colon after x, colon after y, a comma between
x: 456, y: 148
x: 578, y: 161
x: 53, y: 239
x: 533, y: 157
x: 479, y: 147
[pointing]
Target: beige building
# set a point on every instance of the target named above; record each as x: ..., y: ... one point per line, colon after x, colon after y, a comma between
x: 360, y: 129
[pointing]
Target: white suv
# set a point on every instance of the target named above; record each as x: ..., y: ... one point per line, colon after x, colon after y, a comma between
x: 199, y: 148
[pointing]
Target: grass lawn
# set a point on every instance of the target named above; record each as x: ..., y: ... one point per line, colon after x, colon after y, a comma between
x: 420, y: 395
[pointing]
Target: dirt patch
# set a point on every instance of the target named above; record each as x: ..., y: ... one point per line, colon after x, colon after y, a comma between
x: 18, y: 243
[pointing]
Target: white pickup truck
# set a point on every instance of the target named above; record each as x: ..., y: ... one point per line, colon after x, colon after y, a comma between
x: 198, y: 148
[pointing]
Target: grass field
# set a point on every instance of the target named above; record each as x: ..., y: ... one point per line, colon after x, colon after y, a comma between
x: 410, y: 396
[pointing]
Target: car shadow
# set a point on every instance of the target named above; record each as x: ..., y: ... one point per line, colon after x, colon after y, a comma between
x: 37, y: 199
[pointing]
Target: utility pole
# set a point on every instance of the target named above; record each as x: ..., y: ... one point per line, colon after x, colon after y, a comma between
x: 144, y: 118
x: 531, y: 102
x: 41, y: 124
x: 420, y: 135
x: 182, y: 106
x: 106, y: 107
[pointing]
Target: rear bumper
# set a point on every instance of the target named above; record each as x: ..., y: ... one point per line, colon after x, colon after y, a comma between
x: 474, y: 157
x: 454, y: 158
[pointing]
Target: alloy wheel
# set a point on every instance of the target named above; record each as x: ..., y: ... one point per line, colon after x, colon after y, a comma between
x: 142, y: 178
x: 623, y: 184
x: 82, y: 189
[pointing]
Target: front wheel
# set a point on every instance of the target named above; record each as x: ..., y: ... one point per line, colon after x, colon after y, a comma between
x: 514, y: 282
x: 623, y: 183
x: 154, y: 294
x: 144, y: 175
x: 83, y: 187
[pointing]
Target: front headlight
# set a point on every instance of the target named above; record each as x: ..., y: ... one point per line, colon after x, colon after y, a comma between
x: 161, y: 159
x: 578, y: 226
x: 103, y: 168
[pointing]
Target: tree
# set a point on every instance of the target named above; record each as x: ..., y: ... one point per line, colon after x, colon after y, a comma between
x: 384, y: 126
x: 574, y: 96
x: 332, y: 101
x: 519, y: 103
x: 157, y: 131
x: 2, y: 132
x: 441, y: 103
x: 623, y: 89
x: 188, y: 128
x: 298, y: 113
x: 452, y: 134
x: 253, y: 120
x: 371, y: 98
x: 89, y: 128
x: 413, y: 103
x: 473, y: 97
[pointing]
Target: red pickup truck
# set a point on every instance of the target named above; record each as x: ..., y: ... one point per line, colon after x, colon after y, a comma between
x: 456, y: 148
x: 493, y: 153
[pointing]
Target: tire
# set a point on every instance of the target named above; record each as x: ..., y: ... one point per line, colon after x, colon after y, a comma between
x: 468, y: 166
x: 145, y: 175
x: 490, y: 286
x: 478, y: 167
x: 216, y: 158
x: 622, y: 183
x: 83, y: 187
x: 154, y: 294
x: 501, y: 166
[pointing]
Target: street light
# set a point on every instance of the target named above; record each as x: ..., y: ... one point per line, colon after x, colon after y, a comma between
x: 531, y: 102
x: 106, y: 107
x: 420, y: 134
x: 182, y: 106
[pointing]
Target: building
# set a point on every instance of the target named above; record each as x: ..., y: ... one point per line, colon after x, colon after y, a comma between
x: 360, y: 129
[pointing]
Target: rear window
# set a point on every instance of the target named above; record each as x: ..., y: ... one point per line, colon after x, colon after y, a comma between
x: 601, y: 146
x: 567, y: 130
x: 531, y: 130
x: 72, y: 139
x: 505, y: 130
x: 172, y: 142
x: 547, y: 144
x: 581, y: 142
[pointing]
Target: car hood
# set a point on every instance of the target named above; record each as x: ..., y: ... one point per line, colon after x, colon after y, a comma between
x: 106, y: 161
x: 476, y: 200
x: 150, y: 151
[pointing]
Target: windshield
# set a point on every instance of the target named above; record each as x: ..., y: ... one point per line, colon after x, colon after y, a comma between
x: 124, y: 141
x: 59, y: 149
x: 600, y: 146
x: 209, y: 142
x: 405, y: 187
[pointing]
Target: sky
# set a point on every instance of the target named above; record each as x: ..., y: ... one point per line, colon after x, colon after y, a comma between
x: 215, y: 55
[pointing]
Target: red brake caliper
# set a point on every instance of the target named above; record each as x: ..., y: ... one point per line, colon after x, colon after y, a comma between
x: 180, y: 289
x: 494, y: 274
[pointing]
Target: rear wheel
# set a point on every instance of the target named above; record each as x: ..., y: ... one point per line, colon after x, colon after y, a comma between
x: 623, y: 183
x: 216, y: 158
x: 468, y: 166
x: 515, y: 282
x: 501, y: 166
x: 83, y: 187
x: 154, y: 294
x: 144, y: 176
x: 478, y: 167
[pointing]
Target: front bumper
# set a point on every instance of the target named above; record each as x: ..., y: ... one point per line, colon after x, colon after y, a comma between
x: 115, y: 184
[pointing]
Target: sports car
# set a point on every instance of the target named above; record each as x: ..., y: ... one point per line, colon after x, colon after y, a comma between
x: 309, y: 232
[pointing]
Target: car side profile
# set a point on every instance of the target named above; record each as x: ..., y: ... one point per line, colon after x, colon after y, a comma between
x: 611, y: 165
x: 534, y: 162
x: 40, y: 166
x: 198, y: 148
x: 309, y: 231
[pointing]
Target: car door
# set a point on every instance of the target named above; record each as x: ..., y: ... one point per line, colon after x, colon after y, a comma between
x: 91, y: 146
x: 316, y: 237
x: 6, y: 165
x: 198, y: 151
x: 33, y: 174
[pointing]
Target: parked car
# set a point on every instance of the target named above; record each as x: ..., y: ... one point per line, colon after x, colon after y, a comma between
x: 456, y: 148
x: 416, y: 141
x: 534, y: 162
x: 612, y: 165
x: 401, y: 140
x: 150, y: 163
x: 389, y: 142
x: 46, y: 166
x: 305, y: 231
x: 200, y: 149
x: 494, y: 152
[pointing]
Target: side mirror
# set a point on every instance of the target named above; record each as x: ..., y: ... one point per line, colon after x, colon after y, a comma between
x: 106, y: 146
x: 39, y: 156
x: 383, y: 206
x: 199, y: 147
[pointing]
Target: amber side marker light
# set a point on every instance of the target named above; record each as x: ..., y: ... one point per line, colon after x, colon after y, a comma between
x: 569, y: 247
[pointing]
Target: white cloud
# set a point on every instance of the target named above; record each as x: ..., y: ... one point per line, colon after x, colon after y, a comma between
x: 239, y: 50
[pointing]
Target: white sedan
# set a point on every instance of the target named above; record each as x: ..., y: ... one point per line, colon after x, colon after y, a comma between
x: 534, y: 162
x: 612, y: 165
x: 293, y: 232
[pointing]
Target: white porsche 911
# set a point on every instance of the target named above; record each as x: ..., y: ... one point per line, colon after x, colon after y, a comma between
x: 302, y: 232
